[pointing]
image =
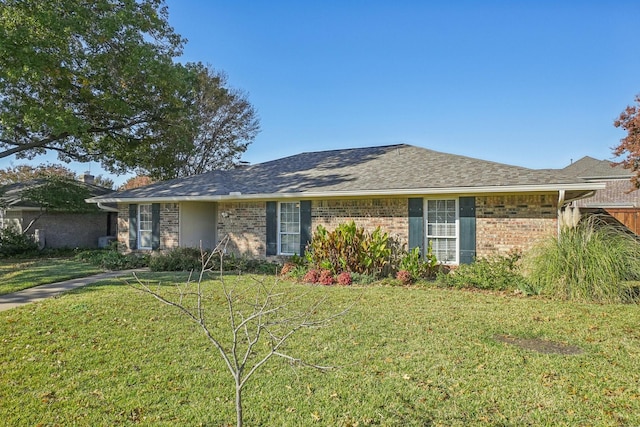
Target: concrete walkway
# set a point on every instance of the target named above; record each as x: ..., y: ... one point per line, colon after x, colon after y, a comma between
x: 41, y: 292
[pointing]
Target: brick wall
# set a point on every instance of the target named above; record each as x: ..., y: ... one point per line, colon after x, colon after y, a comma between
x: 508, y: 222
x: 123, y: 225
x: 169, y: 225
x: 246, y: 225
x: 68, y: 230
x: 388, y: 214
x: 503, y: 222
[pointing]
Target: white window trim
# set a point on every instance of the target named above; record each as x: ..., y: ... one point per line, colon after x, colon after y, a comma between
x: 280, y: 252
x: 457, y: 226
x: 140, y: 230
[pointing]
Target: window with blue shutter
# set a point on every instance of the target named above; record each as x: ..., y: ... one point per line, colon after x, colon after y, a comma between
x: 133, y: 226
x: 155, y: 226
x: 416, y: 224
x: 272, y: 228
x: 467, y: 214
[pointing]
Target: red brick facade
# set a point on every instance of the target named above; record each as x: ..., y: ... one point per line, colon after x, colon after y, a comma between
x: 505, y: 223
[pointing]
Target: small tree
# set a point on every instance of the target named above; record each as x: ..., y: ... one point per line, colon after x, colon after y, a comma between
x: 629, y: 121
x: 260, y: 320
x: 57, y: 194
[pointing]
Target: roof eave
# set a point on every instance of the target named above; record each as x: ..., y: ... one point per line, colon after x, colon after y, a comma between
x: 359, y: 193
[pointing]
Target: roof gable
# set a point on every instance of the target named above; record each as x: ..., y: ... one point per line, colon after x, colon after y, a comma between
x: 588, y: 167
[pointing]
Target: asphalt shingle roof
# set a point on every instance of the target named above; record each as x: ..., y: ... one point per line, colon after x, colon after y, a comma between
x: 11, y: 194
x: 386, y: 168
x: 588, y: 167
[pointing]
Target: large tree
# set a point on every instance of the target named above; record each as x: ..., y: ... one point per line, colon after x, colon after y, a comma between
x: 226, y: 123
x: 629, y: 121
x: 214, y: 131
x: 91, y: 80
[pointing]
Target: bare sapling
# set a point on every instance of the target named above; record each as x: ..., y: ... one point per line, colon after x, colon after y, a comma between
x: 260, y: 317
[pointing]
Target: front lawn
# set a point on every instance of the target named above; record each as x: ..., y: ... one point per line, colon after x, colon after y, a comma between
x: 19, y: 274
x: 110, y: 355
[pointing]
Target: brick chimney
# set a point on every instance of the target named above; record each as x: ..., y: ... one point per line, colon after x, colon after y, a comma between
x: 86, y: 177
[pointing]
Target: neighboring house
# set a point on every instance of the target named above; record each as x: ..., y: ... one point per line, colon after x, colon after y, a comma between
x: 57, y: 228
x: 466, y: 207
x: 619, y: 199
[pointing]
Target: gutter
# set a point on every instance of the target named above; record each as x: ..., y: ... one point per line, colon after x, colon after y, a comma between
x: 103, y: 207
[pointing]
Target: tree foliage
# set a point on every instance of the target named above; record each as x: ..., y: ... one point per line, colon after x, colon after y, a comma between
x: 96, y: 81
x: 59, y: 194
x: 226, y: 124
x: 90, y: 80
x: 135, y: 182
x: 24, y: 173
x: 629, y: 121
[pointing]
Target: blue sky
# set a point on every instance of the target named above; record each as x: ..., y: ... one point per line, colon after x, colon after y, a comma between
x: 528, y: 83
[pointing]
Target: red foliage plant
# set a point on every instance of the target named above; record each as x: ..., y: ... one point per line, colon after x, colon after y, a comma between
x: 344, y: 278
x: 312, y: 276
x: 326, y: 278
x: 404, y: 277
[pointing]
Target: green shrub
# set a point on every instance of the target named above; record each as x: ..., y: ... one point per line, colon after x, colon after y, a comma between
x: 247, y: 264
x: 590, y: 262
x: 418, y: 266
x: 13, y: 242
x: 362, y: 279
x: 498, y: 273
x: 177, y: 259
x: 349, y: 248
x: 112, y: 259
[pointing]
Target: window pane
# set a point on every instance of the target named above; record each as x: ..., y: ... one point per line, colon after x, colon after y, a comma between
x: 290, y: 243
x: 145, y: 239
x: 444, y: 249
x: 289, y: 228
x: 441, y: 229
x: 145, y: 225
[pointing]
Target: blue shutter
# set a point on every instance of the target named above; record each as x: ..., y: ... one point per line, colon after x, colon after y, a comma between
x: 305, y: 225
x: 416, y: 224
x: 133, y: 226
x: 155, y: 226
x: 272, y: 228
x: 467, y: 216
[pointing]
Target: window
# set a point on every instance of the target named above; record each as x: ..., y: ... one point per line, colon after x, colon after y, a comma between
x: 289, y: 228
x: 145, y: 226
x: 442, y: 229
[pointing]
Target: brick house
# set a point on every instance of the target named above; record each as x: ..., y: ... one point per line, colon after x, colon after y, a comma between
x: 59, y: 228
x: 619, y: 199
x: 466, y: 207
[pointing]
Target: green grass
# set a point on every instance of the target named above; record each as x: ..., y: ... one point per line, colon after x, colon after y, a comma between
x: 16, y: 275
x: 110, y: 355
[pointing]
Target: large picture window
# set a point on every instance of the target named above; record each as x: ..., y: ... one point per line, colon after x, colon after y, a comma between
x: 289, y: 228
x: 145, y: 226
x: 442, y: 229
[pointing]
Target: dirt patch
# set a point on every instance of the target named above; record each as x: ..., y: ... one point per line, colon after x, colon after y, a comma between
x: 540, y: 345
